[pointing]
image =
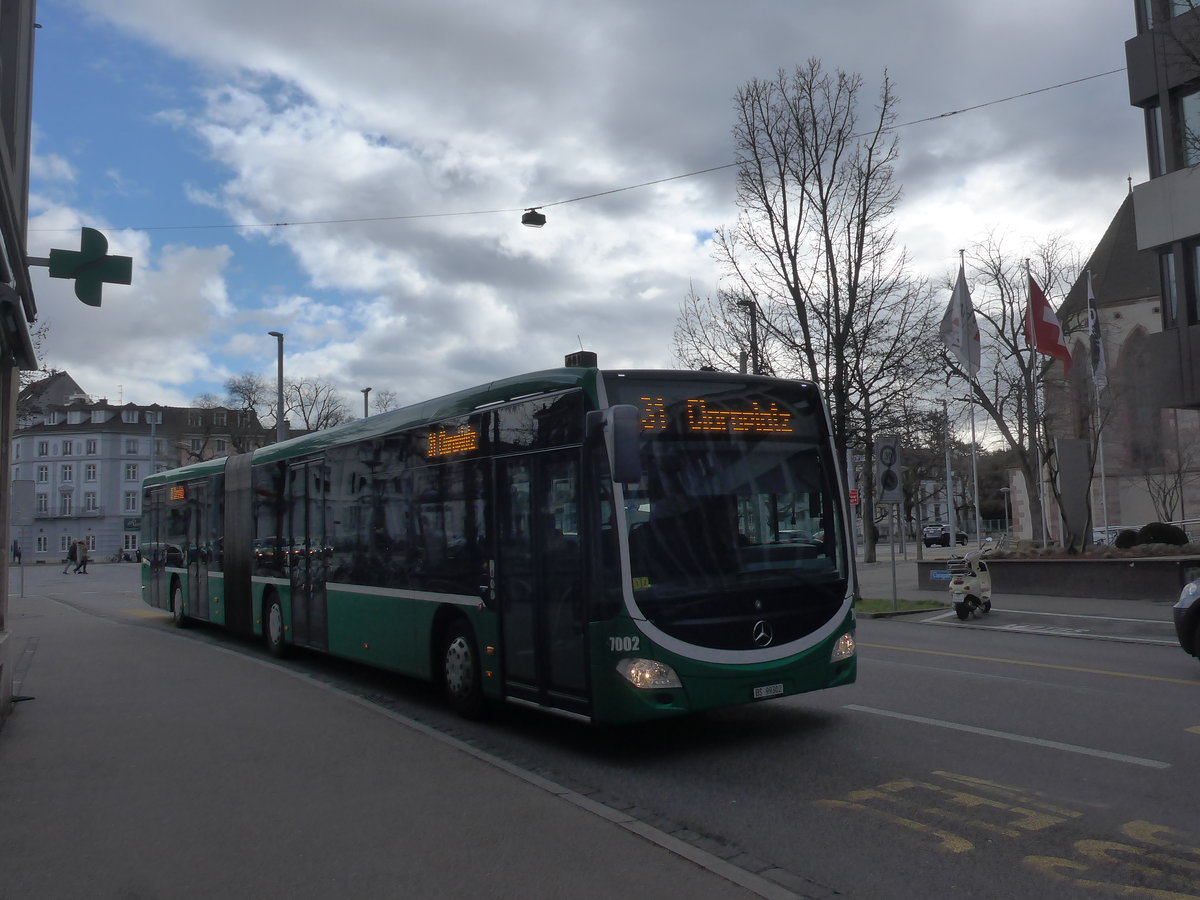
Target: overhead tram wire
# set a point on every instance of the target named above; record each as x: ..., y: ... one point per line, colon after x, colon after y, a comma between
x: 631, y: 187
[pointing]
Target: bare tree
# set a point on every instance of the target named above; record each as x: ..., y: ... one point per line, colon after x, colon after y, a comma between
x: 813, y: 254
x: 1013, y: 379
x: 316, y: 403
x: 250, y: 391
x: 384, y: 400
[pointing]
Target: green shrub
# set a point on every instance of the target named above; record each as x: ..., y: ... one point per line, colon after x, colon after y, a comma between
x: 1162, y: 533
x: 1126, y: 538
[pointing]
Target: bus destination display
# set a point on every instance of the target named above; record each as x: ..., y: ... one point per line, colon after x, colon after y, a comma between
x: 447, y: 443
x: 702, y: 417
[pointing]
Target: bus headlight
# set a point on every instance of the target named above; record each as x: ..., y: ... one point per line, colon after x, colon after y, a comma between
x: 648, y: 674
x: 843, y: 648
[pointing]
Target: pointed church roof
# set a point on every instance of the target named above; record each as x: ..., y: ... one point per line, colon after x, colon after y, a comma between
x: 1120, y: 272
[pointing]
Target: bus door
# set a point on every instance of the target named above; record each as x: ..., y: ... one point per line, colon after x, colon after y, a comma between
x: 539, y: 580
x: 154, y: 556
x: 306, y: 554
x: 199, y: 497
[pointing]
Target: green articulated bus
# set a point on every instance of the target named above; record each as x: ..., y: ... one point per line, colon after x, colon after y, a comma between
x: 613, y: 546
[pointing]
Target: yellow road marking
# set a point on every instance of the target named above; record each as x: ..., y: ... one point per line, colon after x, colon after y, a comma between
x: 1035, y: 665
x: 1195, y: 729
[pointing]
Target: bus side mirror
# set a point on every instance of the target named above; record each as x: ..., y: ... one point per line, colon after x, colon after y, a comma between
x: 622, y: 425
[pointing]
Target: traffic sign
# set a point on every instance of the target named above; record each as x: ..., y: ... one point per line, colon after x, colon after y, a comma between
x: 888, y: 470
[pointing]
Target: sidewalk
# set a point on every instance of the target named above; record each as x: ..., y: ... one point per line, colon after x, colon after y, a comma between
x: 154, y: 766
x: 875, y: 580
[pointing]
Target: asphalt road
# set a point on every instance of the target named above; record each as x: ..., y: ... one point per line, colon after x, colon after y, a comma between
x: 1014, y: 756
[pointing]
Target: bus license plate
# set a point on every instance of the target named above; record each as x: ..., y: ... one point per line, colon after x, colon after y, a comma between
x: 768, y: 690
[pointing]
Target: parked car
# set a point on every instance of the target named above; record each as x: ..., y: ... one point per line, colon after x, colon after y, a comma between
x: 939, y: 535
x: 1187, y: 618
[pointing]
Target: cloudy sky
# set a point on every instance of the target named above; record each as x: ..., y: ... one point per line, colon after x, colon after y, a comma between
x: 411, y: 134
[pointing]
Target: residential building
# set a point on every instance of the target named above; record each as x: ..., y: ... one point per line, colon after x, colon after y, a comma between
x: 84, y: 462
x: 36, y: 397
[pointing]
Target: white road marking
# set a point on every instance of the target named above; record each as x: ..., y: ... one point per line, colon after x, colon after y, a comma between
x: 1019, y: 738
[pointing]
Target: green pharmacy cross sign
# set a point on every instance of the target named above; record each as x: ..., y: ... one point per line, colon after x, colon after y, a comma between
x: 90, y: 266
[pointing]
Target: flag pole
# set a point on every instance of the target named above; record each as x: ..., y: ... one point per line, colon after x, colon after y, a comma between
x: 1034, y: 413
x: 1097, y: 357
x: 962, y: 262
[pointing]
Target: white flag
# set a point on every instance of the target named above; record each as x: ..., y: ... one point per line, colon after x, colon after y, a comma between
x: 959, y: 330
x: 1099, y: 371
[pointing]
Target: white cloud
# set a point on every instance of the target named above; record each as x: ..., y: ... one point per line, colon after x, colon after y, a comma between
x: 363, y: 113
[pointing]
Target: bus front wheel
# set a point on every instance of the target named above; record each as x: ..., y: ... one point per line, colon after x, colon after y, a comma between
x: 177, y: 614
x: 273, y: 627
x: 460, y: 669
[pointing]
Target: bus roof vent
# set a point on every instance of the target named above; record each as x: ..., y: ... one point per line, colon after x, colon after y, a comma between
x: 580, y: 359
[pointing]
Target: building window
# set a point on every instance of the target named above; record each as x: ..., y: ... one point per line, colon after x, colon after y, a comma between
x: 66, y: 504
x: 153, y: 418
x: 76, y: 416
x: 92, y: 448
x: 131, y: 471
x: 64, y: 542
x: 219, y: 418
x: 1145, y: 15
x: 131, y: 446
x: 1170, y: 290
x: 131, y: 501
x: 195, y: 419
x: 219, y: 445
x: 197, y: 444
x: 43, y: 544
x: 90, y: 541
x: 90, y: 502
x: 67, y: 448
x: 1156, y: 147
x: 1188, y: 126
x: 67, y: 473
x: 89, y: 472
x: 43, y: 474
x: 43, y: 448
x: 43, y: 503
x: 131, y: 541
x: 129, y: 416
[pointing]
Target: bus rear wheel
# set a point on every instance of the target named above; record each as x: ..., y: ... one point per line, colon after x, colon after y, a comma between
x: 273, y: 627
x: 461, y: 679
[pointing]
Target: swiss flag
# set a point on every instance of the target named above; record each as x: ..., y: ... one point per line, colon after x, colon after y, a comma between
x: 1042, y: 331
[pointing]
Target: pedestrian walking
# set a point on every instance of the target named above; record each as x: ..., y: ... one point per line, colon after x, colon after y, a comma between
x: 72, y: 553
x: 81, y: 555
x: 16, y: 548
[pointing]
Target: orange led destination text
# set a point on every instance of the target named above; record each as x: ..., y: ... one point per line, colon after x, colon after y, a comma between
x: 701, y: 417
x: 444, y: 443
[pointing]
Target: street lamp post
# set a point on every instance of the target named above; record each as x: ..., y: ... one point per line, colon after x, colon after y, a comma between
x: 1005, y: 491
x: 278, y: 335
x: 365, y: 392
x: 753, y: 308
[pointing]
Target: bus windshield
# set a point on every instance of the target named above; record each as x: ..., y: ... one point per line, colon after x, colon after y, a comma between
x: 736, y: 517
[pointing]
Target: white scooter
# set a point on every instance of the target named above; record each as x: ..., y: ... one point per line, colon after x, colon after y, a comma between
x: 970, y: 585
